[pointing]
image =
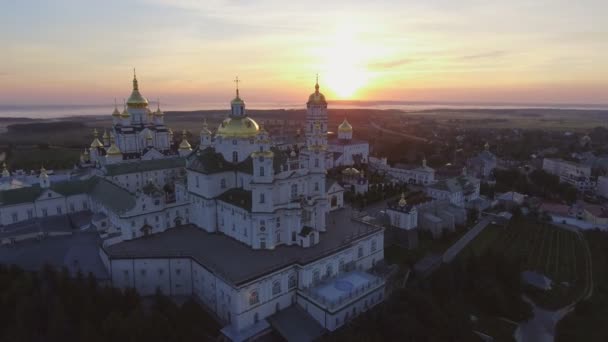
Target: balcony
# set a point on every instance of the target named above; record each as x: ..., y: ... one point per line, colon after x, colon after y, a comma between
x: 342, y: 290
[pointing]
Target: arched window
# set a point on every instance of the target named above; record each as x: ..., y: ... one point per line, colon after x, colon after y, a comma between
x: 276, y: 287
x: 223, y: 183
x: 261, y: 171
x: 291, y: 282
x: 262, y: 198
x: 374, y: 245
x: 235, y: 157
x: 254, y: 297
x: 316, y: 162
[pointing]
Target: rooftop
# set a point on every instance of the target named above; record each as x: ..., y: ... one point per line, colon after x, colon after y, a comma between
x: 236, y: 262
x: 144, y: 165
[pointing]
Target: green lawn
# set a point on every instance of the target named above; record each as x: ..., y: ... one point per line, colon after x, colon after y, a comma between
x: 547, y: 249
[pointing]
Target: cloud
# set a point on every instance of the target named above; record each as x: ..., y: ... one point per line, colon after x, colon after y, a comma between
x: 484, y: 55
x: 390, y: 64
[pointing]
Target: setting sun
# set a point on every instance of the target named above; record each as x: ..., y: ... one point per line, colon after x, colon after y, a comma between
x: 346, y: 65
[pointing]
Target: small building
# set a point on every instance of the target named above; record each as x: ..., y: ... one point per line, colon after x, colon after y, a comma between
x: 482, y: 165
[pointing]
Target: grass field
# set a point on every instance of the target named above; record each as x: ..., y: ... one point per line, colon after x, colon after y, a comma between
x: 555, y: 252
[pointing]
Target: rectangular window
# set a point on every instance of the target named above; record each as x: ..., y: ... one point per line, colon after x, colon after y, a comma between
x: 45, y: 213
x: 30, y: 213
x: 59, y: 211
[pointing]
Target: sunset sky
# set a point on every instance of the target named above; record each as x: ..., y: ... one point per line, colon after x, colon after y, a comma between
x: 189, y: 51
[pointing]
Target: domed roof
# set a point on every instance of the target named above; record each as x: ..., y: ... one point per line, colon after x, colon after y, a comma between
x: 238, y: 127
x: 345, y: 126
x: 184, y: 145
x: 115, y: 112
x: 136, y: 100
x: 96, y: 143
x: 113, y: 150
x: 316, y: 98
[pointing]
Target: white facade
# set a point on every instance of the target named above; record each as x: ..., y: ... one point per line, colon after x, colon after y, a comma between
x: 578, y: 175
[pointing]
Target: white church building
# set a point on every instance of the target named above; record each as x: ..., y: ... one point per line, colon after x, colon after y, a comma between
x: 252, y: 231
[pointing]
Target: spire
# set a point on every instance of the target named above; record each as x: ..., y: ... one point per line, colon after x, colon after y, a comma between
x: 236, y: 81
x: 424, y: 161
x: 317, y: 84
x: 135, y: 84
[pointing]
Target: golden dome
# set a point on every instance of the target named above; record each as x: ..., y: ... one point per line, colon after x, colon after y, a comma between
x: 184, y: 145
x: 136, y: 100
x: 244, y: 127
x: 113, y: 151
x: 125, y: 113
x: 105, y: 135
x: 158, y: 111
x: 96, y: 143
x: 115, y: 112
x: 402, y: 201
x: 317, y: 98
x: 345, y: 126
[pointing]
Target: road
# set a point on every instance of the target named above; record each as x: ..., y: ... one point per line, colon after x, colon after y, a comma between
x: 405, y: 135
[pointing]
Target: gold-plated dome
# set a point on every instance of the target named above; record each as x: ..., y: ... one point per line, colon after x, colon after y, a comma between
x: 113, y: 150
x: 96, y: 143
x: 402, y: 201
x: 125, y: 112
x: 232, y: 127
x: 115, y: 113
x: 158, y: 111
x: 345, y: 126
x: 185, y: 145
x: 317, y: 98
x: 136, y: 100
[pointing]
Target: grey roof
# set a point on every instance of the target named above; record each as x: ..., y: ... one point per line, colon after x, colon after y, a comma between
x: 461, y: 183
x: 234, y: 261
x: 144, y: 166
x: 113, y: 196
x: 30, y: 194
x: 208, y: 161
x: 237, y: 196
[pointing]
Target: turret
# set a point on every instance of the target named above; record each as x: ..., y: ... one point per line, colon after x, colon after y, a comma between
x: 5, y: 172
x: 237, y: 105
x: 345, y: 130
x: 159, y: 115
x: 106, y: 138
x: 113, y: 154
x: 43, y: 179
x: 115, y: 114
x: 205, y: 136
x: 184, y: 147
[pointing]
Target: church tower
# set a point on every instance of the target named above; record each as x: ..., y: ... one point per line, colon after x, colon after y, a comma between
x: 137, y: 104
x: 316, y: 120
x: 43, y: 179
x: 205, y: 136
